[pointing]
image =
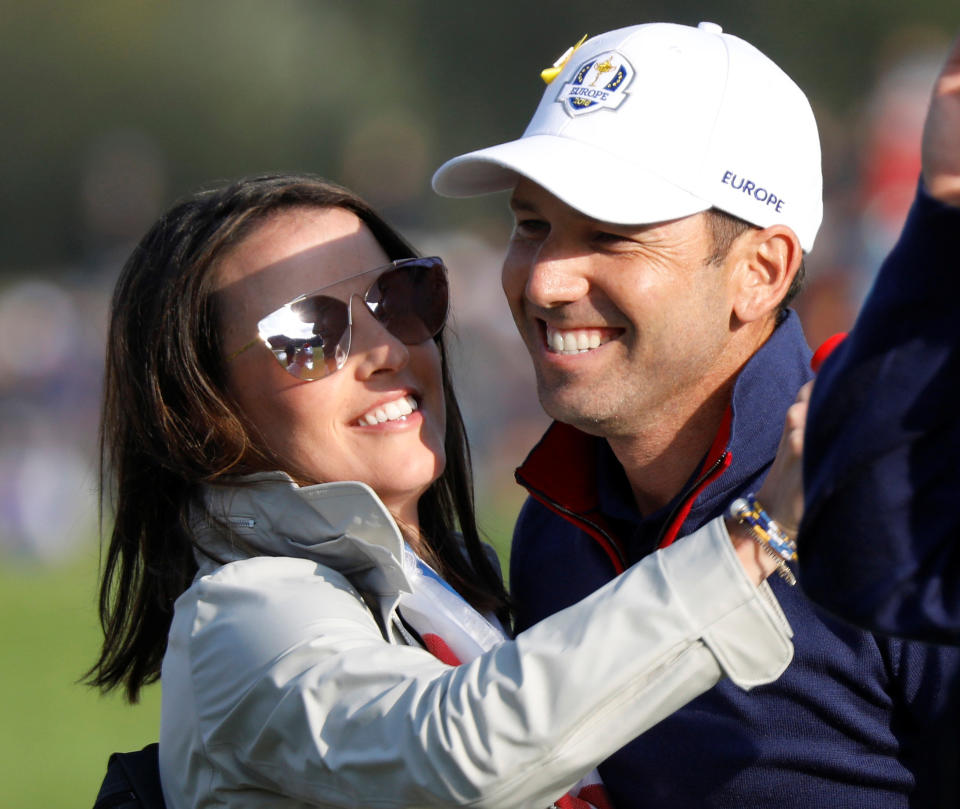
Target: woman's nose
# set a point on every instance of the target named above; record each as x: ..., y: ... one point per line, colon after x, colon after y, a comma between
x: 373, y: 346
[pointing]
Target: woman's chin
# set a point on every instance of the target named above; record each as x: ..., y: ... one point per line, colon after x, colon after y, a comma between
x: 402, y: 490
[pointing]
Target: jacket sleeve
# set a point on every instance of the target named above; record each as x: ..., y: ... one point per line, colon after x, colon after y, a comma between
x: 880, y: 540
x: 280, y: 675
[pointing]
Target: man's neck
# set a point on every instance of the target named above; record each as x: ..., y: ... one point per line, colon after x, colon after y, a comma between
x: 658, y: 461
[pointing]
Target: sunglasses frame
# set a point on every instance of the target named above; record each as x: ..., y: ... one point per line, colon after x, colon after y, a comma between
x: 340, y: 358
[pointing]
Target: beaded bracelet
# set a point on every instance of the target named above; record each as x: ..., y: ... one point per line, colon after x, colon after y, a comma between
x: 766, y: 533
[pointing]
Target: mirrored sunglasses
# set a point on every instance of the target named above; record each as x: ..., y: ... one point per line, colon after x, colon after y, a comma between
x: 310, y: 336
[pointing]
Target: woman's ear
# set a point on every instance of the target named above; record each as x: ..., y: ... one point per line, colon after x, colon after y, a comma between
x: 765, y: 264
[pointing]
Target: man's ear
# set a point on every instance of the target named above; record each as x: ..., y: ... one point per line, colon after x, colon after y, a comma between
x: 764, y: 265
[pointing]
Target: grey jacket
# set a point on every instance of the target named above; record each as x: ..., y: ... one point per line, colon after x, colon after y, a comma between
x: 288, y: 681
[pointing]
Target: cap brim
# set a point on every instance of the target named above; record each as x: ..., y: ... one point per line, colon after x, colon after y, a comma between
x: 588, y: 179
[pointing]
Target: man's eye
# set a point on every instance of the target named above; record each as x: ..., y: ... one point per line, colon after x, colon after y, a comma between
x: 530, y: 227
x: 605, y: 237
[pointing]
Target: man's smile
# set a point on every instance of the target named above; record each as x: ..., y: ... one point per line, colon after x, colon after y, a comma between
x: 577, y: 341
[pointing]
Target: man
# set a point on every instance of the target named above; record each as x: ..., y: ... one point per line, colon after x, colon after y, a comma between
x: 664, y: 193
x: 881, y: 538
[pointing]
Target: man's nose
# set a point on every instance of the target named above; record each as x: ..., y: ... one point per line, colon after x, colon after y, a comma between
x: 556, y: 276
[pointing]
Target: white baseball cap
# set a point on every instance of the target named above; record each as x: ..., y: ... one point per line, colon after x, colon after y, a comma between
x: 660, y: 121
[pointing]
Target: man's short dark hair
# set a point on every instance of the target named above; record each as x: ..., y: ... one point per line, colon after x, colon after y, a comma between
x: 725, y: 228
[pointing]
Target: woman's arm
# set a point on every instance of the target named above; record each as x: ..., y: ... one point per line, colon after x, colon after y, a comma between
x: 278, y: 679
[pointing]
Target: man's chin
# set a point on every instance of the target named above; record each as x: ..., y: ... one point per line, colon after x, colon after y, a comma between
x: 562, y: 406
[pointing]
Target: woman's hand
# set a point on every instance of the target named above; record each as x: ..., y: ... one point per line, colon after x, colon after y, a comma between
x: 782, y: 491
x: 781, y: 494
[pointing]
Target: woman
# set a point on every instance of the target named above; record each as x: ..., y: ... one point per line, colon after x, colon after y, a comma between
x: 290, y: 467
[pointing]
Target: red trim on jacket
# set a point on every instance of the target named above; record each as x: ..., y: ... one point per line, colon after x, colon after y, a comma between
x: 827, y: 347
x: 560, y: 472
x: 716, y: 463
x: 563, y: 463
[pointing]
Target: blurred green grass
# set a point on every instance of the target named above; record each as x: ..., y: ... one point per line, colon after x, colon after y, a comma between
x: 57, y: 734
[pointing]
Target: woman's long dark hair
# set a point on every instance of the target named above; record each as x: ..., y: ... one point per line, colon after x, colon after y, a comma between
x: 168, y: 425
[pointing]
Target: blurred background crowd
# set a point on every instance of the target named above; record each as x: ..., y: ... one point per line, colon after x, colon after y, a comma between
x: 113, y: 109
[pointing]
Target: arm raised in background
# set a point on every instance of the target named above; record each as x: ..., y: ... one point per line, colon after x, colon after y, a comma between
x: 880, y: 540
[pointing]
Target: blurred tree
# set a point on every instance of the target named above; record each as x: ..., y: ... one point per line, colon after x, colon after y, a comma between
x: 375, y: 91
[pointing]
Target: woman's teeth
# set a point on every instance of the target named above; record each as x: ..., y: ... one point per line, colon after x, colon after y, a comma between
x: 392, y: 411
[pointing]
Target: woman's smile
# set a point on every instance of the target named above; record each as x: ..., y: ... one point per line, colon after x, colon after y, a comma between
x: 393, y: 411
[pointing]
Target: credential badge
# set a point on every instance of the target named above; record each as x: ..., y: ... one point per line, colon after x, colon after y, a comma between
x: 599, y: 83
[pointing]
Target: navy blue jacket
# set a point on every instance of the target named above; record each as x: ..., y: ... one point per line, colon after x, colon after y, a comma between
x: 855, y: 721
x: 880, y: 538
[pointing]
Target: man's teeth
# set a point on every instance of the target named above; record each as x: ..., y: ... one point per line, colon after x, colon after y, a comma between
x: 392, y: 411
x: 574, y: 341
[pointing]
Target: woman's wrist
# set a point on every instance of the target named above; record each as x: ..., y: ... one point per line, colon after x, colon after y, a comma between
x: 757, y: 564
x: 772, y: 547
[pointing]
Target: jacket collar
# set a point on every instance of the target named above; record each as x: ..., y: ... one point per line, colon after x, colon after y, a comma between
x: 764, y: 391
x: 342, y: 525
x: 563, y: 469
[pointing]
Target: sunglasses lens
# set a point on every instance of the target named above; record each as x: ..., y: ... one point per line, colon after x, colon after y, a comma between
x: 310, y: 337
x: 314, y: 340
x: 411, y: 301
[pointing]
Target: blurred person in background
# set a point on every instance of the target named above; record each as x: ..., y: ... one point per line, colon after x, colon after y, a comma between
x: 295, y: 555
x: 664, y: 195
x: 880, y: 469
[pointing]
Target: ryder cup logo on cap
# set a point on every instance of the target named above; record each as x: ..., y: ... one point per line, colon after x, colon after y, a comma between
x: 661, y: 121
x: 598, y: 83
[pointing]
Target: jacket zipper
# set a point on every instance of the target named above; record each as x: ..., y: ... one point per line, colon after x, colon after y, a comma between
x: 242, y: 522
x: 692, y: 490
